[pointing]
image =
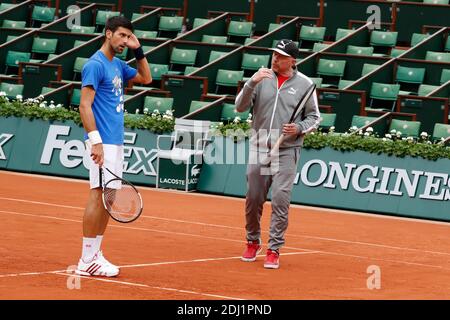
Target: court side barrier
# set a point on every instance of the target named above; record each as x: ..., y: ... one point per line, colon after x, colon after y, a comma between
x: 412, y: 187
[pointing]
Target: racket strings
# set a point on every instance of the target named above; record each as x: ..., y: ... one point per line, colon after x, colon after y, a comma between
x: 122, y: 200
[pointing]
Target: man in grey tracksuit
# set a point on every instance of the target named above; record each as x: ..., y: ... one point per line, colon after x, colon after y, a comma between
x: 274, y: 94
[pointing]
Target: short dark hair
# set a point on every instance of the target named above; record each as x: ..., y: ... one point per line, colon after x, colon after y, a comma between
x: 114, y: 23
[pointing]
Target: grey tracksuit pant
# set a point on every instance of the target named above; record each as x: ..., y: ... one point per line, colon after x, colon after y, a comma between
x: 258, y: 185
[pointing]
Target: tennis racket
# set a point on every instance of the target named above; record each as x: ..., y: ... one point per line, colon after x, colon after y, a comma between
x: 121, y: 198
x: 294, y: 115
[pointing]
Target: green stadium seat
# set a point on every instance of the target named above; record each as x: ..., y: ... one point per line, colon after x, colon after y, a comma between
x: 46, y: 90
x: 341, y: 33
x: 447, y: 44
x: 385, y: 92
x: 162, y: 104
x: 190, y: 69
x: 395, y: 52
x: 239, y: 30
x: 317, y: 81
x: 76, y: 97
x: 147, y: 48
x: 328, y: 120
x: 6, y: 6
x: 254, y: 61
x: 319, y: 46
x: 51, y: 56
x: 437, y: 56
x: 440, y: 130
x: 103, y: 15
x: 10, y: 38
x: 445, y: 76
x: 144, y: 34
x: 136, y: 16
x: 42, y: 14
x: 425, y: 89
x: 366, y: 51
x: 444, y: 2
x: 214, y: 55
x: 199, y: 22
x: 83, y: 29
x: 43, y: 45
x: 170, y: 25
x: 273, y: 26
x: 310, y: 33
x: 410, y: 75
x: 344, y: 83
x: 13, y: 24
x: 78, y: 43
x: 332, y: 69
x: 228, y: 78
x: 11, y: 90
x: 14, y: 57
x: 379, y: 128
x: 229, y: 113
x: 195, y: 105
x: 368, y: 67
x: 383, y: 38
x: 184, y: 57
x: 214, y: 39
x: 407, y: 128
x: 157, y: 70
x: 78, y: 66
x: 418, y: 37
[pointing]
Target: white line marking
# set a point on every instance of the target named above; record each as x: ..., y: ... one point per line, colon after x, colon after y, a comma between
x: 237, y: 228
x: 231, y: 240
x: 133, y: 284
x: 320, y: 209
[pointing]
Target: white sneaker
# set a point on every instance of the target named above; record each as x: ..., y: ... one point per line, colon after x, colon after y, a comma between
x: 96, y: 267
x: 101, y: 257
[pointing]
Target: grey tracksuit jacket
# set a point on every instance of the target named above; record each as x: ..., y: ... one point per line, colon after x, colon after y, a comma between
x: 273, y: 107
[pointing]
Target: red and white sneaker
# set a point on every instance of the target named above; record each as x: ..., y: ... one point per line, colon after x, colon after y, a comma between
x: 252, y: 249
x: 97, y: 267
x: 272, y: 260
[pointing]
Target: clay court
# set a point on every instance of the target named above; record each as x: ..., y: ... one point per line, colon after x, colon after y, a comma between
x: 188, y: 246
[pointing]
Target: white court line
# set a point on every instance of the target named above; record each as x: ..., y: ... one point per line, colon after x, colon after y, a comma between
x: 324, y: 210
x: 240, y: 229
x: 133, y: 284
x: 239, y: 241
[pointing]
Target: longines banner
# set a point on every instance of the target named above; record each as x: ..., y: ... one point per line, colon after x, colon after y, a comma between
x: 348, y: 180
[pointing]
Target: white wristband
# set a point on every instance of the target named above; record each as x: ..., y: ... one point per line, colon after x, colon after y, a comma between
x: 94, y: 137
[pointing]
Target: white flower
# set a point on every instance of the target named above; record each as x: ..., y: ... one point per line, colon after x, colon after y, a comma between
x: 360, y: 132
x: 137, y: 111
x: 249, y: 121
x: 399, y: 134
x: 237, y: 120
x: 354, y: 128
x: 59, y: 105
x: 145, y: 110
x: 2, y: 94
x: 393, y: 131
x: 367, y: 134
x: 410, y: 139
x: 387, y: 135
x: 19, y: 97
x: 384, y: 139
x: 424, y: 134
x: 369, y: 129
x: 312, y: 133
x: 429, y: 142
x: 332, y: 128
x: 42, y: 105
x: 169, y: 112
x: 249, y: 116
x: 220, y: 124
x: 41, y: 97
x: 52, y: 102
x: 52, y: 106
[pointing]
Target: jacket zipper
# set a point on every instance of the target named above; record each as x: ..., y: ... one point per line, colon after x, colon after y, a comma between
x: 275, y: 108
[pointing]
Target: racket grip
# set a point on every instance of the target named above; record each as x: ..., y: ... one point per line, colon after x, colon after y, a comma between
x: 273, y: 151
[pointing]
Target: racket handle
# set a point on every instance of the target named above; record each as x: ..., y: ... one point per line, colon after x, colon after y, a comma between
x: 274, y: 150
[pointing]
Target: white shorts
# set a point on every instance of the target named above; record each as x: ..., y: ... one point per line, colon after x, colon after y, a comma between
x: 113, y: 160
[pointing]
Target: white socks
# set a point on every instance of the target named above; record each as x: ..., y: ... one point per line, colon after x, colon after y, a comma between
x: 88, y: 252
x: 90, y: 247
